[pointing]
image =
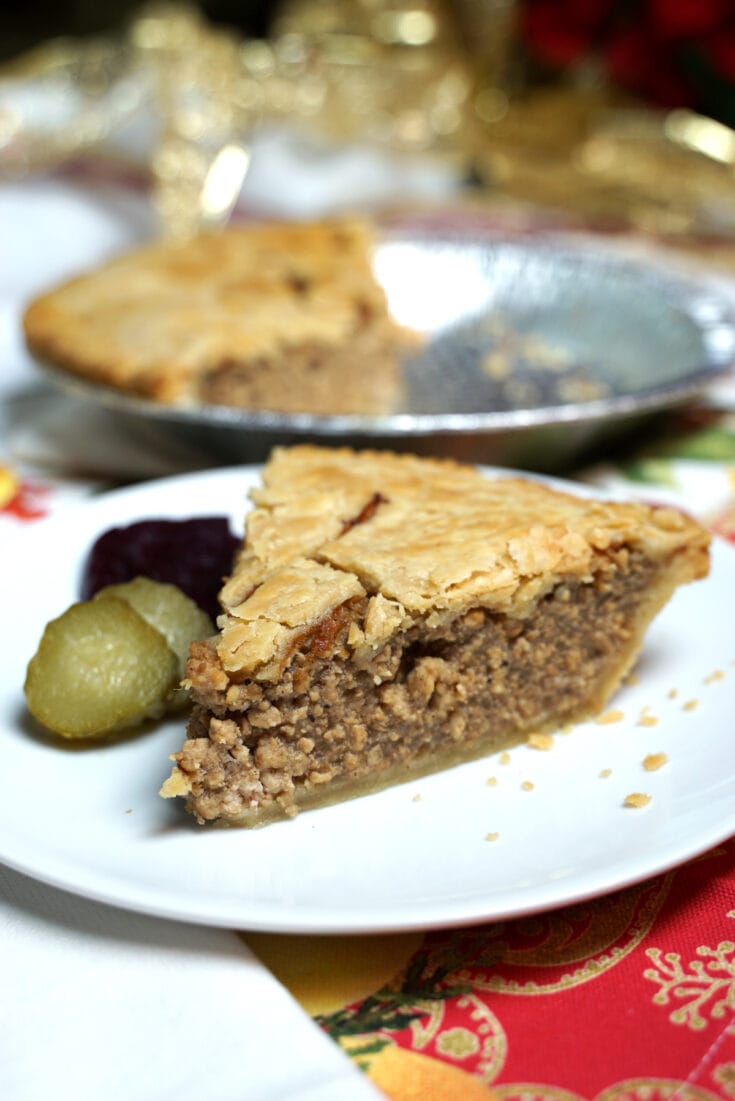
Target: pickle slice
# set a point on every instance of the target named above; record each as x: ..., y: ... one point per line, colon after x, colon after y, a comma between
x: 99, y: 667
x: 167, y: 609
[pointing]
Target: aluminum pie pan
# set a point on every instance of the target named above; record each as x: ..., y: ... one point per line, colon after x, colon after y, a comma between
x: 534, y: 353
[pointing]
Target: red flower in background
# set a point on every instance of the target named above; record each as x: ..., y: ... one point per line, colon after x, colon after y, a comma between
x: 687, y: 18
x: 671, y: 52
x: 564, y: 33
x: 637, y: 60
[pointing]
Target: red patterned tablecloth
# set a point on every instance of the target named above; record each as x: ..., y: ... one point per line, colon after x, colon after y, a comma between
x: 631, y: 996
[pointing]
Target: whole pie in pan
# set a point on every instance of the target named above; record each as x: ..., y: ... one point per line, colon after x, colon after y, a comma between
x: 390, y: 615
x: 282, y: 316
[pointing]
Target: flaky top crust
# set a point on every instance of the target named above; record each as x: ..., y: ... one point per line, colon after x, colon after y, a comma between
x: 156, y: 319
x: 415, y: 538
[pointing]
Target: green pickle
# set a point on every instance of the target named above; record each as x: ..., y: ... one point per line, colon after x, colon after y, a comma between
x: 99, y: 667
x: 114, y: 661
x: 167, y: 609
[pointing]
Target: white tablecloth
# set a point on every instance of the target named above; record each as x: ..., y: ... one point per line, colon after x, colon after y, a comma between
x: 98, y: 1003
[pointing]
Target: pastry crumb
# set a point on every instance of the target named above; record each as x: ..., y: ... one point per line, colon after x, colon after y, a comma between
x: 647, y: 720
x: 497, y: 366
x: 690, y: 705
x: 416, y: 798
x: 492, y: 781
x: 540, y: 741
x: 492, y: 836
x: 673, y: 693
x: 717, y: 675
x: 609, y: 717
x: 604, y: 773
x: 527, y: 785
x: 653, y: 761
x: 505, y: 758
x: 637, y: 799
x: 129, y: 810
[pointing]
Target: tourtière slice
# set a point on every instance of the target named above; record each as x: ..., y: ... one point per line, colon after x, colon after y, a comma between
x: 281, y: 316
x: 390, y: 615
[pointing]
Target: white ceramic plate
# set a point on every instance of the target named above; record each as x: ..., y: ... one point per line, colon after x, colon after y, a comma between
x: 89, y: 819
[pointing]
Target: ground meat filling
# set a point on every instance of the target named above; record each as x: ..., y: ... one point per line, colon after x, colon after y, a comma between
x: 475, y: 681
x: 312, y: 378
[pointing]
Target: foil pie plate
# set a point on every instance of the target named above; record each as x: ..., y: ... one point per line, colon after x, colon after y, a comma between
x: 535, y: 353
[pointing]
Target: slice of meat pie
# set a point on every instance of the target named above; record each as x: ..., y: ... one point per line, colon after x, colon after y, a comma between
x: 390, y: 615
x: 279, y: 316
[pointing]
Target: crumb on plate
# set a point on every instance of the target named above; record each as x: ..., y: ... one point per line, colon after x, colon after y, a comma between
x: 609, y: 717
x: 653, y: 761
x: 637, y: 799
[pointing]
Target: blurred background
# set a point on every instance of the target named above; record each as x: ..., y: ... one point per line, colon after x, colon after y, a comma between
x: 618, y: 111
x: 609, y: 123
x: 26, y: 25
x: 672, y: 52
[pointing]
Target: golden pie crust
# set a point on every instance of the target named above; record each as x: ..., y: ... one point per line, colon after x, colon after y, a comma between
x: 286, y: 316
x: 366, y: 577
